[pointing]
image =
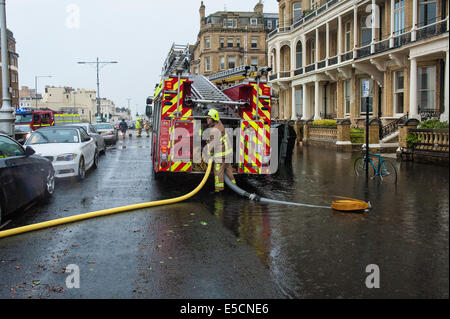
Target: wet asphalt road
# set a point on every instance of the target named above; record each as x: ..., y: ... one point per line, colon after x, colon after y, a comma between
x: 227, y: 247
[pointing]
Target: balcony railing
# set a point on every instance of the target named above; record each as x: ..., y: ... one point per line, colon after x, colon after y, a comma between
x: 273, y: 77
x: 321, y: 64
x: 298, y: 71
x: 402, y: 39
x: 332, y: 61
x: 431, y: 30
x: 382, y: 46
x: 310, y: 68
x: 347, y: 56
x: 364, y: 51
x: 308, y: 15
x: 285, y: 74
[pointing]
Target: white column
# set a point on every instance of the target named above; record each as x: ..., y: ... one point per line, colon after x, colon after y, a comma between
x: 444, y: 116
x: 414, y: 23
x: 391, y: 41
x: 293, y: 57
x: 303, y: 39
x: 355, y: 30
x: 413, y: 107
x: 306, y: 114
x: 339, y: 39
x: 294, y: 109
x: 278, y: 57
x: 327, y: 53
x: 317, y: 100
x: 317, y: 47
x: 374, y: 24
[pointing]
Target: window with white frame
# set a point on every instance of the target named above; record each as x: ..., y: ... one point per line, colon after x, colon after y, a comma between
x: 230, y: 42
x: 254, y: 43
x: 347, y: 37
x: 399, y: 90
x: 366, y: 32
x: 299, y: 55
x: 231, y: 62
x: 313, y: 51
x: 427, y: 12
x: 254, y: 61
x: 269, y: 24
x: 399, y: 16
x: 296, y: 11
x: 207, y: 64
x: 299, y: 102
x: 222, y: 63
x: 347, y: 96
x: 222, y: 43
x: 238, y: 42
x: 207, y: 43
x: 253, y: 21
x: 427, y: 87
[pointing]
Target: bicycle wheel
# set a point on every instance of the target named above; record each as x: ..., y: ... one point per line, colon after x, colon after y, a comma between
x: 360, y: 168
x: 388, y: 172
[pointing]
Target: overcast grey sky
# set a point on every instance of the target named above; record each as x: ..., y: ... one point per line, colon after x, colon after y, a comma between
x: 136, y: 33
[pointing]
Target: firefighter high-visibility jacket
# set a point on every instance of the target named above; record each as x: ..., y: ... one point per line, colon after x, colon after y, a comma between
x: 222, y: 148
x: 138, y: 125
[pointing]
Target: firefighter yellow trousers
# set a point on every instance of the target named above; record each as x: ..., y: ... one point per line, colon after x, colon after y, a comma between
x: 219, y: 170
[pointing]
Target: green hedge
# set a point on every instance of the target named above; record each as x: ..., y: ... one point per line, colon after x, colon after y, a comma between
x: 433, y: 124
x: 357, y: 135
x: 324, y: 123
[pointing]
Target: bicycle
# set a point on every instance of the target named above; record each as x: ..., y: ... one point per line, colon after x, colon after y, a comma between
x: 378, y: 166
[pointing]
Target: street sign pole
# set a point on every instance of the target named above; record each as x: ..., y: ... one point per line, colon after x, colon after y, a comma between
x: 366, y: 96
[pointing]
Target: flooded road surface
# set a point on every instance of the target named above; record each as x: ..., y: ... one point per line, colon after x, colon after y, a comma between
x: 227, y: 247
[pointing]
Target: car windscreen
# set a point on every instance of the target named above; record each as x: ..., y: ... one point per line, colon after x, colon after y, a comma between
x: 53, y: 136
x: 22, y: 129
x: 103, y: 127
x: 23, y: 118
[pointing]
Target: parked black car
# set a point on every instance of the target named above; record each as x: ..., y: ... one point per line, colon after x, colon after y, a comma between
x: 24, y: 177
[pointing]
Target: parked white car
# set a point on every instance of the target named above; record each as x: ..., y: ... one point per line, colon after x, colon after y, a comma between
x: 70, y: 149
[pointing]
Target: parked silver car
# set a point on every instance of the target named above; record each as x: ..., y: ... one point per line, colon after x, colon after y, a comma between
x: 92, y: 132
x: 109, y: 133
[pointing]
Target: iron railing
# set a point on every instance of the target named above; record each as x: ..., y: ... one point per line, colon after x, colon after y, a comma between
x: 298, y: 71
x: 431, y: 30
x: 321, y: 64
x: 429, y: 114
x: 307, y: 15
x: 333, y: 61
x: 392, y: 127
x: 310, y: 68
x: 285, y: 74
x: 273, y: 77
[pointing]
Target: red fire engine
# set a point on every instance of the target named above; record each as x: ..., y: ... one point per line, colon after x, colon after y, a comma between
x: 180, y: 105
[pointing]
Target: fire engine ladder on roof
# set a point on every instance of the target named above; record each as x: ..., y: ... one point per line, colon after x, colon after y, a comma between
x: 206, y: 93
x: 177, y: 60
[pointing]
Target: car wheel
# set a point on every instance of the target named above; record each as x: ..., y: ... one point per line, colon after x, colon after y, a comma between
x: 81, y: 170
x: 95, y: 165
x: 49, y: 186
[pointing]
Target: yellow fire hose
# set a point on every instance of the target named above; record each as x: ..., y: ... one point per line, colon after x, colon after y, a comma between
x: 76, y: 218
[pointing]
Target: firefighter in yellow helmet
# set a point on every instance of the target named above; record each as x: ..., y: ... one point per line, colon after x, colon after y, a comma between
x: 221, y: 149
x: 139, y: 127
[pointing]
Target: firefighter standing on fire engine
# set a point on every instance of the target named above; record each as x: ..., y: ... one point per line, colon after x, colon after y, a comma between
x: 221, y: 150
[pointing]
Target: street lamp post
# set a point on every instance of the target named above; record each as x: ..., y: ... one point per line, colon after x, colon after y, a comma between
x: 7, y: 117
x: 35, y: 86
x: 98, y: 65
